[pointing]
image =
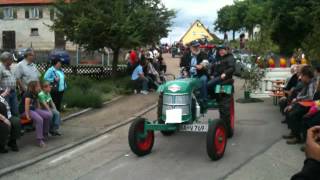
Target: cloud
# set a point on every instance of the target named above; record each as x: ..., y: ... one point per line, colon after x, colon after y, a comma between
x: 190, y: 10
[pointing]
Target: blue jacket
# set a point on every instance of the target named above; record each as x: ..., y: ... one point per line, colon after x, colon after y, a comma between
x: 52, y: 73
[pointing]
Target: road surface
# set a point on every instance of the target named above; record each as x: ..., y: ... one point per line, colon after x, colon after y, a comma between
x: 181, y: 156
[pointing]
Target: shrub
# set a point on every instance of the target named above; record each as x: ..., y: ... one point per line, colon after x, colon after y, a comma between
x: 83, y: 83
x: 105, y: 87
x: 76, y: 97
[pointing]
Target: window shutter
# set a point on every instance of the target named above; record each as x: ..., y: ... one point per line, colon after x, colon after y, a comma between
x: 1, y: 13
x: 40, y: 13
x: 15, y: 13
x: 26, y: 13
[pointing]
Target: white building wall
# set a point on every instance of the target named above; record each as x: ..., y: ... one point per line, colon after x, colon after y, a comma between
x: 22, y: 28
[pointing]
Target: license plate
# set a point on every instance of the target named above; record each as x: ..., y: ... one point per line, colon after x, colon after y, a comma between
x: 194, y: 127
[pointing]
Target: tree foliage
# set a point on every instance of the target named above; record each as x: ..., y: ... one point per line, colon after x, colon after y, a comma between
x: 116, y: 24
x: 290, y: 24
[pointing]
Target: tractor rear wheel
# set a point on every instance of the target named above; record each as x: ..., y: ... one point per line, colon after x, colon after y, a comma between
x: 139, y: 144
x: 159, y: 113
x: 216, y: 139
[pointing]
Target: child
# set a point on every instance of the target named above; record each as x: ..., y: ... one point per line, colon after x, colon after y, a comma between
x: 30, y: 110
x: 47, y: 103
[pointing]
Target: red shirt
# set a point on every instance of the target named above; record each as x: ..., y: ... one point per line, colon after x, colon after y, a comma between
x: 133, y: 57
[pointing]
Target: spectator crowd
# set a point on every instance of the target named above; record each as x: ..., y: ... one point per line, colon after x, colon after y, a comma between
x: 28, y: 100
x: 147, y: 69
x: 301, y: 109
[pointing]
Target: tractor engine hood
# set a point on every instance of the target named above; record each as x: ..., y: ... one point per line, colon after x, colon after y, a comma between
x: 180, y: 86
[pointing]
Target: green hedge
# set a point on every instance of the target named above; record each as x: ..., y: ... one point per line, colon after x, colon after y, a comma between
x: 83, y: 92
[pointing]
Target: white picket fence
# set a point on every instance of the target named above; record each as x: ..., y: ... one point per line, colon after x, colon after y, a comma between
x: 272, y: 74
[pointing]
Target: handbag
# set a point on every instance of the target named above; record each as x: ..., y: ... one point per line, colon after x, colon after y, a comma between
x: 55, y: 84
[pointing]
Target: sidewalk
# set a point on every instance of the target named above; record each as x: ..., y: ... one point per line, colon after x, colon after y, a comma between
x: 81, y: 127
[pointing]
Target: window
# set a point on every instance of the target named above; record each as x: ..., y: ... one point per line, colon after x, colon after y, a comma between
x: 8, y: 13
x: 33, y: 13
x: 34, y: 32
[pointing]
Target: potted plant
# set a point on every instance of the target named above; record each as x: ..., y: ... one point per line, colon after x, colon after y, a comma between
x: 252, y: 75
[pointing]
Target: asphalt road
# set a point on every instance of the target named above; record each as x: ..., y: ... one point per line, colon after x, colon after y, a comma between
x: 181, y: 156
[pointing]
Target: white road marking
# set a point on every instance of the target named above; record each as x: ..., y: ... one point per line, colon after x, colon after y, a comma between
x: 78, y: 149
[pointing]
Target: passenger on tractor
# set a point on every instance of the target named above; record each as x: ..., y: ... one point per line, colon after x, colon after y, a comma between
x: 222, y: 69
x: 192, y: 62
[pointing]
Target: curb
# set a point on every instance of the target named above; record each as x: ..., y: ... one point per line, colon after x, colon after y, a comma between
x: 66, y: 147
x: 88, y: 109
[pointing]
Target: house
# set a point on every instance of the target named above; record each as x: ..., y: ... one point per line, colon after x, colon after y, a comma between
x: 25, y: 23
x: 197, y: 31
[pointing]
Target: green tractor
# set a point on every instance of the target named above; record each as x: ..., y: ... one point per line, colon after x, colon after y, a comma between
x: 180, y: 110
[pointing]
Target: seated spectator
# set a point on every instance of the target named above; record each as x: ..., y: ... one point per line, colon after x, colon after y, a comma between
x: 139, y: 80
x: 289, y: 88
x: 13, y: 120
x: 310, y: 170
x: 296, y: 111
x: 46, y: 103
x: 5, y: 127
x: 30, y: 109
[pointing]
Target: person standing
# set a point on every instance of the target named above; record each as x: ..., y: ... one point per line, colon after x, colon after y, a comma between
x: 26, y: 71
x: 55, y: 76
x: 133, y: 58
x: 9, y: 81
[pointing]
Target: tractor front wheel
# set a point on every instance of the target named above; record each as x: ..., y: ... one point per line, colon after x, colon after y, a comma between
x: 216, y: 139
x: 141, y: 144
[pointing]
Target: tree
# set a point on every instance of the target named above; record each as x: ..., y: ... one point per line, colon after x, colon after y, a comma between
x: 116, y: 24
x: 291, y: 23
x: 228, y: 20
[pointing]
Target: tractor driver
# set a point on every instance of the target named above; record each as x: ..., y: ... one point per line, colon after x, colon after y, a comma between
x: 193, y: 63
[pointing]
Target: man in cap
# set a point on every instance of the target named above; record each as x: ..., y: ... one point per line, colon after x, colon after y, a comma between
x: 192, y: 61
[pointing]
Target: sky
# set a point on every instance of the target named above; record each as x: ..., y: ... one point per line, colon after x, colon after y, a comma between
x: 190, y: 10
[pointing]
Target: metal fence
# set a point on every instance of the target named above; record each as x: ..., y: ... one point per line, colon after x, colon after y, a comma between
x: 81, y: 57
x: 93, y: 71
